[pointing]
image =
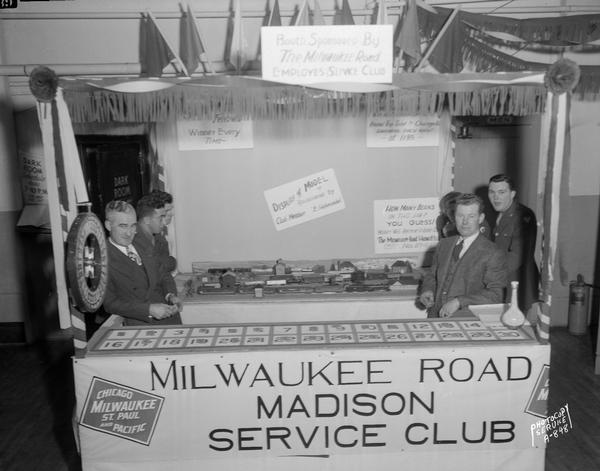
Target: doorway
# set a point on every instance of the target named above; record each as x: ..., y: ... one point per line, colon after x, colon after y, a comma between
x: 488, y: 145
x: 115, y: 167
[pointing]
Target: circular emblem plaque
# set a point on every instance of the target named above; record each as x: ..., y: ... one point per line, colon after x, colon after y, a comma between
x: 87, y: 262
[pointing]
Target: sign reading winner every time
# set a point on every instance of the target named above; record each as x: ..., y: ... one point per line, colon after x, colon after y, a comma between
x: 305, y: 199
x: 315, y: 54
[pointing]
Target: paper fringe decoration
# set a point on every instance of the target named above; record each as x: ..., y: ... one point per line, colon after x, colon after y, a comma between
x: 543, y: 48
x: 588, y: 88
x: 573, y: 29
x: 297, y: 103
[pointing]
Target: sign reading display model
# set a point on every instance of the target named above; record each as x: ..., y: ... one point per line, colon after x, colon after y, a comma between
x: 318, y: 54
x: 305, y: 199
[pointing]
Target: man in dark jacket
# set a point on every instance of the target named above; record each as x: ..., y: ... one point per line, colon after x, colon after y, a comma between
x: 467, y: 269
x: 152, y: 214
x: 137, y: 289
x: 515, y: 232
x: 165, y: 201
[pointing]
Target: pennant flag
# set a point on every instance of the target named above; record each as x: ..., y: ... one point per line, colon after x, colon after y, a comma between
x: 408, y: 39
x: 238, y: 50
x: 191, y: 49
x: 275, y: 16
x: 155, y: 51
x: 344, y: 17
x: 426, y: 6
x: 446, y: 50
x: 155, y: 54
x: 302, y: 18
x: 318, y: 19
x: 381, y: 14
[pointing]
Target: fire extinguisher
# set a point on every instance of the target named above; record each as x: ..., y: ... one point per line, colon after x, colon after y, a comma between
x: 578, y: 306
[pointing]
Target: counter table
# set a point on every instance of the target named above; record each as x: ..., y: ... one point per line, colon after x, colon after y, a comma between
x: 270, y: 308
x: 385, y: 394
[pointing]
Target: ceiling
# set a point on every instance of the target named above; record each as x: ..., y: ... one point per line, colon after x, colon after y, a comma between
x: 43, y: 32
x: 524, y: 8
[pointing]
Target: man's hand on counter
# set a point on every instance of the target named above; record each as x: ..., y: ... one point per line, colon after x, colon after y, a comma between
x: 162, y: 311
x: 450, y: 308
x: 176, y: 301
x: 427, y: 298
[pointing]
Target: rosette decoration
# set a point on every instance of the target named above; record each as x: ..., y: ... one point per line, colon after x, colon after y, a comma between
x: 43, y: 83
x: 562, y: 76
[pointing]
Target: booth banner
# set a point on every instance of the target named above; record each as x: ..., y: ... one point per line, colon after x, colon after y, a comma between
x: 33, y: 178
x: 221, y: 132
x: 319, y: 54
x: 304, y: 199
x: 270, y: 409
x: 405, y: 225
x: 403, y: 131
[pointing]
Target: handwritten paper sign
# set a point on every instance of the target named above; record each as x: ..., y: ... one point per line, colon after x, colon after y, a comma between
x: 305, y: 199
x: 221, y: 132
x: 33, y: 178
x: 405, y: 225
x: 317, y: 54
x: 403, y: 131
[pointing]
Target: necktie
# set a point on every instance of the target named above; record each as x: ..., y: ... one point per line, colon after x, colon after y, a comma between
x: 134, y: 256
x: 456, y: 251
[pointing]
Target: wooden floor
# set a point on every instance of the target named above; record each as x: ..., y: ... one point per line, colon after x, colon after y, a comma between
x: 37, y: 398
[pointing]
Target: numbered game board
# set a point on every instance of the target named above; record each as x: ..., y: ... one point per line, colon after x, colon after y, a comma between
x: 314, y: 334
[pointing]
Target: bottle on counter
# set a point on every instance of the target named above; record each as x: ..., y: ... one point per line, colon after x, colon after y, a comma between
x: 513, y: 317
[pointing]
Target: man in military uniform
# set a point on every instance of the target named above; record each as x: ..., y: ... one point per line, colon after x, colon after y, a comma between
x: 515, y: 232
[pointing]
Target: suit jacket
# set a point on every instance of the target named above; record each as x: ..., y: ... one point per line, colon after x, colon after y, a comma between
x: 156, y: 246
x: 479, y: 276
x: 161, y: 246
x: 516, y: 235
x: 131, y: 288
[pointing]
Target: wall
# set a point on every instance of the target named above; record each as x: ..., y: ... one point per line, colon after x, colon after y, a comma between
x: 62, y: 34
x: 221, y: 213
x: 579, y: 240
x: 510, y: 145
x: 11, y: 276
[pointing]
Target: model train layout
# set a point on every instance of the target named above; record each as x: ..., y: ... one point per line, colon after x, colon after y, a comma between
x: 281, y: 278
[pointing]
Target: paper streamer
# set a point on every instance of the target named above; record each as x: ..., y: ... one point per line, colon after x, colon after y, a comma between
x: 543, y: 323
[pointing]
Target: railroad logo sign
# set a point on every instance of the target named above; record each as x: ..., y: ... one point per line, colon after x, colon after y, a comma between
x: 121, y: 411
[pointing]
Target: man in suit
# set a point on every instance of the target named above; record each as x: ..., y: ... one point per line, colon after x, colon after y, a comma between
x: 151, y: 213
x: 164, y: 201
x: 515, y: 232
x: 467, y: 268
x: 137, y: 289
x: 444, y: 223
